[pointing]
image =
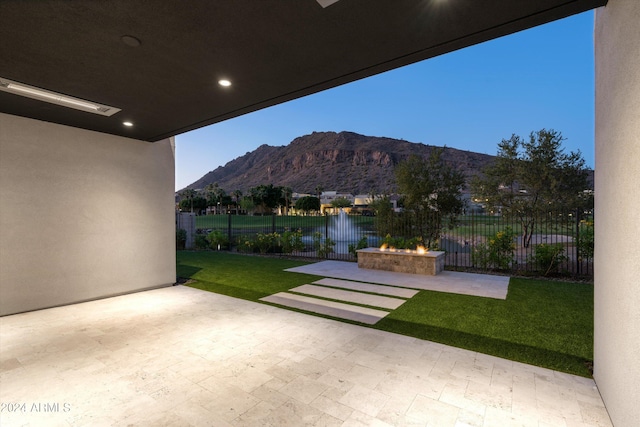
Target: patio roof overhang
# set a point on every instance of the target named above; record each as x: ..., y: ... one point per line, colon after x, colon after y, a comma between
x: 160, y: 62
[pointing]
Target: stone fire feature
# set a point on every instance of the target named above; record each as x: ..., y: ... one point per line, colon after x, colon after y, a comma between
x: 401, y: 261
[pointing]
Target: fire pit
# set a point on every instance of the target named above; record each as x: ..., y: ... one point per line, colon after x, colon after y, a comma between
x: 420, y: 261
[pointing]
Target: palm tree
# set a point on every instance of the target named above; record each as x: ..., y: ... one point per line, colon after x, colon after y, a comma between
x: 319, y: 190
x: 189, y: 194
x: 237, y: 194
x: 211, y: 194
x: 287, y: 192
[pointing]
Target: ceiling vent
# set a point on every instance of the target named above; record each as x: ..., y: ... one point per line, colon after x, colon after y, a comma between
x: 32, y: 92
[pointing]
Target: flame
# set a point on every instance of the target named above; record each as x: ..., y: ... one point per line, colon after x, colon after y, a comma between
x: 421, y: 249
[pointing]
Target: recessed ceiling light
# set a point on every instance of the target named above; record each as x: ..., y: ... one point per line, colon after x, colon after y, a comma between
x: 128, y: 124
x: 326, y: 3
x: 33, y: 92
x: 131, y: 41
x: 224, y: 82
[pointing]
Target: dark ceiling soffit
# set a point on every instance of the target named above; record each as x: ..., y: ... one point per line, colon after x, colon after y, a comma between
x: 570, y: 8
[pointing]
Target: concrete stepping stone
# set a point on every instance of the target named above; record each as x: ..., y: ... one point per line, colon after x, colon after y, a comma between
x: 349, y: 296
x: 367, y: 287
x: 455, y: 282
x: 330, y: 308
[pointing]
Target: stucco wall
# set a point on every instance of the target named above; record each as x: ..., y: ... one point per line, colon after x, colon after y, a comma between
x: 617, y: 252
x: 83, y: 215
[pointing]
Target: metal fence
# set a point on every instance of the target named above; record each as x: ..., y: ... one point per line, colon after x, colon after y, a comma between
x: 557, y: 244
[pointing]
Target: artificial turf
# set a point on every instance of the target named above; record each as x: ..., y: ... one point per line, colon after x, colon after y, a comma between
x: 544, y: 323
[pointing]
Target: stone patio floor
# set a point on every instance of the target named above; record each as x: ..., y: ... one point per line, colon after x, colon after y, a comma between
x: 180, y: 356
x: 483, y: 285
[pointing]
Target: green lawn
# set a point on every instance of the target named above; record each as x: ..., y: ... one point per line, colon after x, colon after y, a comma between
x: 544, y: 323
x: 258, y: 222
x: 248, y: 224
x: 466, y: 225
x: 482, y: 225
x: 488, y: 226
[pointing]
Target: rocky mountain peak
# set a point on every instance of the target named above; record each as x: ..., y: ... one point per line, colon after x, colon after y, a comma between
x: 343, y: 161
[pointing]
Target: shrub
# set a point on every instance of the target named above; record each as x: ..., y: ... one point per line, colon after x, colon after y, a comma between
x: 201, y: 242
x: 481, y: 255
x: 548, y: 257
x: 401, y: 242
x: 266, y: 241
x: 362, y: 243
x: 322, y: 247
x: 585, y: 239
x: 292, y: 241
x: 217, y: 240
x: 181, y: 238
x: 497, y: 252
x: 245, y: 244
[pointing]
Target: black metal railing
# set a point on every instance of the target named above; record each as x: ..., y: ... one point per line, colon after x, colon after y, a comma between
x: 557, y: 243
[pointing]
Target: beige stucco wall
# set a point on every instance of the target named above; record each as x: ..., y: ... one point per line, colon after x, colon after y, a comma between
x: 617, y: 252
x: 83, y: 215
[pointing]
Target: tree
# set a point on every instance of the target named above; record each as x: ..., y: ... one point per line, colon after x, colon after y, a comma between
x: 246, y: 203
x: 237, y: 194
x: 384, y: 214
x: 188, y: 195
x: 432, y: 192
x: 531, y: 178
x: 215, y: 195
x: 308, y: 204
x: 341, y: 202
x: 266, y: 197
x: 225, y: 200
x: 196, y: 204
x: 287, y: 193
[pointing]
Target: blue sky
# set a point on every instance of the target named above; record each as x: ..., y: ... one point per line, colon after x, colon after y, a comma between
x: 469, y: 99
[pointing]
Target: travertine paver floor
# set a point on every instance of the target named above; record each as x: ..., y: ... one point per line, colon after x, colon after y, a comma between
x: 180, y: 356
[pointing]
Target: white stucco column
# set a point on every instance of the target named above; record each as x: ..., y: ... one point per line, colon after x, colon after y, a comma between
x: 617, y: 215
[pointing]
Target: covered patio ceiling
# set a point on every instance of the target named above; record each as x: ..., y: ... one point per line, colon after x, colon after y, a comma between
x: 160, y: 62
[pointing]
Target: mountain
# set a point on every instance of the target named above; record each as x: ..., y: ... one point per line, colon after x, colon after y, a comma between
x: 343, y: 162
